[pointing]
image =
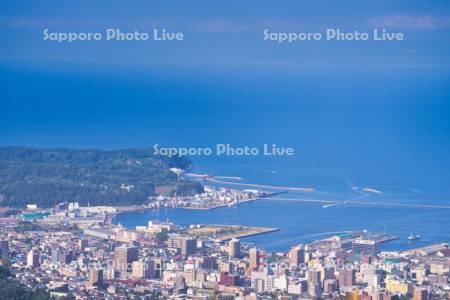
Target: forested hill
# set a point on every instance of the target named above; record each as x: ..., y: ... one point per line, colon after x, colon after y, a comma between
x: 117, y: 177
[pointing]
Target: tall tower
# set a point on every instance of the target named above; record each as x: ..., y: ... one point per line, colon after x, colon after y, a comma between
x: 95, y: 277
x: 33, y: 258
x: 253, y: 258
x: 188, y: 246
x: 124, y: 257
x: 346, y: 278
x: 82, y: 244
x: 143, y: 269
x: 4, y: 249
x: 297, y: 256
x: 234, y: 248
x: 420, y: 294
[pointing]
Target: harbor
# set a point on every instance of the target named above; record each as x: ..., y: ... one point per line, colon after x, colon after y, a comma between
x: 227, y: 232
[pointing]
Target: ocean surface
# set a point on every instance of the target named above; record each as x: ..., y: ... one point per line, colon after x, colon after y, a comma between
x: 384, y: 129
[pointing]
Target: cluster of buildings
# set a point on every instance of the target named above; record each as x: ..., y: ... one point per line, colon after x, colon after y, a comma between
x: 211, y: 198
x: 100, y: 260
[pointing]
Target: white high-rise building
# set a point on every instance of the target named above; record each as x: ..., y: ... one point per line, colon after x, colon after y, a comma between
x: 33, y: 259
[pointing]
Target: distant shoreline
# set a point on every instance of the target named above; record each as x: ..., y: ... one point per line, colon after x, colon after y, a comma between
x: 124, y: 209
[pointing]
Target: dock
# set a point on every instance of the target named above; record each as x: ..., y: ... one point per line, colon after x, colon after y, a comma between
x: 227, y: 232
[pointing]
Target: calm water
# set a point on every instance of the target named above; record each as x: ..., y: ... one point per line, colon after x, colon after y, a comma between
x: 306, y: 222
x: 303, y: 222
x: 384, y: 129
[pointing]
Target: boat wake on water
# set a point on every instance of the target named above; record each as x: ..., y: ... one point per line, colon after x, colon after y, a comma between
x: 285, y: 188
x: 330, y: 203
x: 235, y: 181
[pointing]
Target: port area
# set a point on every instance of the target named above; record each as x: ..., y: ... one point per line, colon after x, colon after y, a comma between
x: 212, y: 198
x: 353, y: 240
x: 222, y: 233
x: 425, y: 250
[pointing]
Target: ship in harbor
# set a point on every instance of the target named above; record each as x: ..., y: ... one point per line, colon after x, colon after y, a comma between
x: 413, y: 237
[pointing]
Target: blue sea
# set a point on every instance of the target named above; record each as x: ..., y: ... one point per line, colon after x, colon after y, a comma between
x: 385, y: 129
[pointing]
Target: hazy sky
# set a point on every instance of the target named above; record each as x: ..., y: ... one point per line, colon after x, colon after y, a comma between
x: 228, y: 33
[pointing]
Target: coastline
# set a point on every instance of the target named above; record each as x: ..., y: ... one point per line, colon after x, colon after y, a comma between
x: 252, y: 231
x: 131, y: 208
x: 220, y: 205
